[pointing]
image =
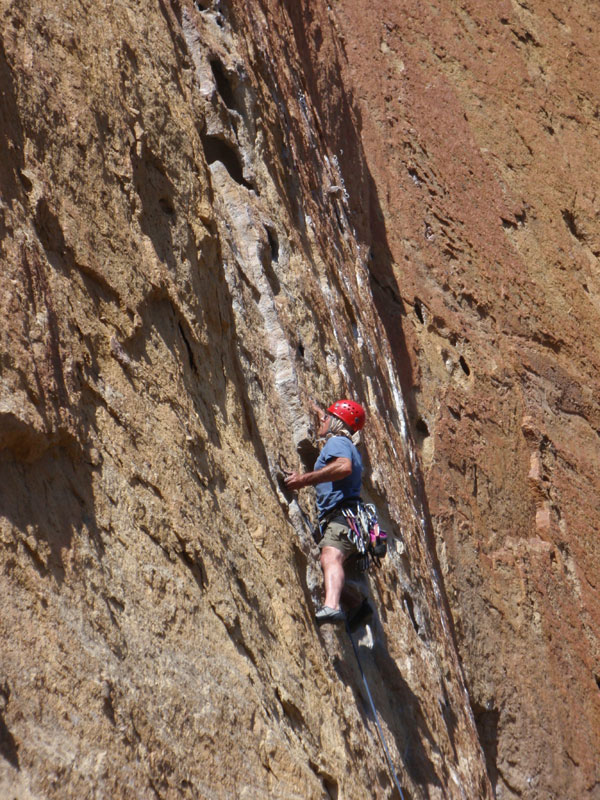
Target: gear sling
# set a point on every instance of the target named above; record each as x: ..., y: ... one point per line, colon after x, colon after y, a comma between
x: 363, y: 531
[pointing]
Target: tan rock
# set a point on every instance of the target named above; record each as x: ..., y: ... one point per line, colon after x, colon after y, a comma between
x: 212, y: 213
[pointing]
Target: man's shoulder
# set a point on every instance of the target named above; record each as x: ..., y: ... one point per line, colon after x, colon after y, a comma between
x: 339, y: 444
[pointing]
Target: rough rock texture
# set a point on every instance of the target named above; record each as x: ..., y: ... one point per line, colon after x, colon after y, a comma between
x: 210, y: 213
x: 483, y: 132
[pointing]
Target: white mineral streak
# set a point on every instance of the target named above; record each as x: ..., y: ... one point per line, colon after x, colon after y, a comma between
x: 398, y: 401
x: 246, y: 233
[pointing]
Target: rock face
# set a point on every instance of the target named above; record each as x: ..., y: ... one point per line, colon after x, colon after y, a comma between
x: 482, y: 130
x: 210, y: 214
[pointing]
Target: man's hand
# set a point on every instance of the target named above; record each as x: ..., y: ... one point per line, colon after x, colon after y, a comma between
x: 316, y: 409
x: 294, y: 480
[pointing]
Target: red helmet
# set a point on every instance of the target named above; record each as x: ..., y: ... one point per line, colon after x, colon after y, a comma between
x: 349, y: 412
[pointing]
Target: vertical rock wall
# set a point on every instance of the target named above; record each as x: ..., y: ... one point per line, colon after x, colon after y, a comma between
x: 481, y: 130
x: 207, y: 219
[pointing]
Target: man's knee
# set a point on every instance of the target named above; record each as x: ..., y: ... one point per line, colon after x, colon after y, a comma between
x: 331, y: 555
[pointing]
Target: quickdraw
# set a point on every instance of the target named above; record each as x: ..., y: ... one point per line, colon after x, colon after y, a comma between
x: 365, y: 533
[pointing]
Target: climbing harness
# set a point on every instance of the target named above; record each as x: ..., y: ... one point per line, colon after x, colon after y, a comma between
x: 363, y: 531
x: 366, y: 535
x: 363, y: 526
x: 375, y: 717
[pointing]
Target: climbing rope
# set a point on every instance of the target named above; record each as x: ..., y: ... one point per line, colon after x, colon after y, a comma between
x: 375, y: 717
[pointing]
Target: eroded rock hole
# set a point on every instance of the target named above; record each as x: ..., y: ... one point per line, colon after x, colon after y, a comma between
x: 300, y: 350
x: 270, y: 258
x: 419, y: 311
x: 109, y: 711
x: 9, y: 748
x: 48, y: 228
x: 273, y: 244
x: 455, y: 414
x: 518, y: 222
x: 216, y: 149
x: 414, y: 177
x: 27, y: 184
x: 223, y: 84
x: 166, y: 206
x: 422, y: 428
x: 464, y: 366
x: 597, y: 677
x: 331, y: 787
x: 410, y: 610
x: 188, y: 347
x: 525, y: 38
x: 569, y: 221
x: 486, y: 720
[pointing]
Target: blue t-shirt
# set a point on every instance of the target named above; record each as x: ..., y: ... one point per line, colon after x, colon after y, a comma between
x: 332, y: 493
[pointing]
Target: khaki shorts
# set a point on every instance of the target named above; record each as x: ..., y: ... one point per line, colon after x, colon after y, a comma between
x: 336, y: 535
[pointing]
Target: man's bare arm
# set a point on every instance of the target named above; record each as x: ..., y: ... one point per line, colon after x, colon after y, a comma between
x: 335, y: 470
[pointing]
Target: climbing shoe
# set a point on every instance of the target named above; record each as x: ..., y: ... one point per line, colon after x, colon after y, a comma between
x: 360, y: 615
x: 326, y: 614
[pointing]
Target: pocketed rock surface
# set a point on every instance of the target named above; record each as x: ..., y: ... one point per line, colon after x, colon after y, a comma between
x: 210, y: 214
x: 483, y: 134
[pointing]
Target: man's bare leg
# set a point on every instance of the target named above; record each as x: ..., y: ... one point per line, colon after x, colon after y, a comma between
x: 332, y: 563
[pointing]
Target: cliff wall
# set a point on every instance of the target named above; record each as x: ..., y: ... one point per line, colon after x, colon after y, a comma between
x: 483, y: 134
x: 212, y: 213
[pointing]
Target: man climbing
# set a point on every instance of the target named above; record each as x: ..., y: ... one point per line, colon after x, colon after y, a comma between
x: 337, y: 477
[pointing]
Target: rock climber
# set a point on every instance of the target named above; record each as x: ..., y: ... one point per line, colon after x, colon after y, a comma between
x: 337, y: 478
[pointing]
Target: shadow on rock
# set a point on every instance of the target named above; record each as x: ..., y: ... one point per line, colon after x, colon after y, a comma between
x: 397, y: 706
x: 48, y: 502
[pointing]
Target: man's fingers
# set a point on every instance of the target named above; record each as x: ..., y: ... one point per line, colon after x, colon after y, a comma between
x: 291, y: 480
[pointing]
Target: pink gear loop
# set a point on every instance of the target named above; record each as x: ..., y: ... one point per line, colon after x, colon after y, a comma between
x: 349, y: 412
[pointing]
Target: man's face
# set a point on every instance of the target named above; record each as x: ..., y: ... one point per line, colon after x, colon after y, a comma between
x: 324, y: 423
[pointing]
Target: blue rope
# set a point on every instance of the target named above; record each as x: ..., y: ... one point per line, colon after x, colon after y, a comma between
x: 375, y: 717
